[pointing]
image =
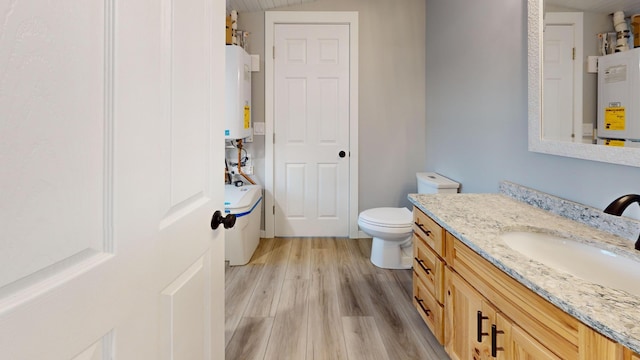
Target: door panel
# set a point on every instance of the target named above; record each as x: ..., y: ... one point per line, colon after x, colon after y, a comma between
x: 311, y: 128
x: 189, y: 61
x: 55, y: 166
x: 327, y: 191
x: 294, y: 185
x: 296, y: 94
x: 184, y: 306
x: 106, y: 180
x: 100, y: 350
x: 329, y: 112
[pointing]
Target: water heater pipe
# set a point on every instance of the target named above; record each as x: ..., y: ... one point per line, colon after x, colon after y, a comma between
x: 239, y: 144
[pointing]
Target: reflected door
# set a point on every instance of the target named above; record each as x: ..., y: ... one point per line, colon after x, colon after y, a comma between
x: 558, y: 116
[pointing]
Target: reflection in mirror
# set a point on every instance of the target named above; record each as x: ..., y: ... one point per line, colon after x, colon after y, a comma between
x: 575, y: 31
x: 564, y: 118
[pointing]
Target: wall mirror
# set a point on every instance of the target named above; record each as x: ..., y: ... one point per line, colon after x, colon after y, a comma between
x: 542, y: 138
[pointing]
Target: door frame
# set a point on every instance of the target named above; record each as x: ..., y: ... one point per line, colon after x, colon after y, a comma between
x: 273, y: 18
x: 575, y: 20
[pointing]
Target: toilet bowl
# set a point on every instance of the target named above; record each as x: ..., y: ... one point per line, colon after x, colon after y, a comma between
x: 391, y: 231
x: 391, y: 228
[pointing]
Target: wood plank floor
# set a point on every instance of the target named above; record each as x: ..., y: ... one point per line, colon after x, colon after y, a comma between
x: 321, y: 298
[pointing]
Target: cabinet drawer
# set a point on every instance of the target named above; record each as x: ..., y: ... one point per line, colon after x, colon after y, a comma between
x: 428, y: 230
x: 429, y: 268
x: 429, y: 309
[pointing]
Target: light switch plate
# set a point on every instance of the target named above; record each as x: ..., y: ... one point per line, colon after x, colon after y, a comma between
x: 592, y: 64
x: 258, y: 128
x: 255, y: 63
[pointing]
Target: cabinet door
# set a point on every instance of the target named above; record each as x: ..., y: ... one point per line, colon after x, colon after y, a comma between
x: 630, y: 355
x: 513, y: 343
x: 468, y: 319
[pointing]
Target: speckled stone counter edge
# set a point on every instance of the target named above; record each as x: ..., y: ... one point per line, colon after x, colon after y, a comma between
x: 617, y: 225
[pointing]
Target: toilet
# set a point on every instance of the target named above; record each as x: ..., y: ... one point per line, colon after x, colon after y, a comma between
x: 391, y: 228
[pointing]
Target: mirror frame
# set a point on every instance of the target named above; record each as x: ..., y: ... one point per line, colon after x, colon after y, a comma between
x: 603, y: 153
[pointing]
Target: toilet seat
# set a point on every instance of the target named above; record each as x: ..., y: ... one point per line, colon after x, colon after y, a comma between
x: 387, y: 217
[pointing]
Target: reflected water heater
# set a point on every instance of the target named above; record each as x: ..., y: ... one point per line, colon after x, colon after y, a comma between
x: 618, y: 94
x: 237, y: 93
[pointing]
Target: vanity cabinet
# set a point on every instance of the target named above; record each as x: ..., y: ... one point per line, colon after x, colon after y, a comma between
x: 477, y: 311
x: 428, y: 272
x: 548, y: 326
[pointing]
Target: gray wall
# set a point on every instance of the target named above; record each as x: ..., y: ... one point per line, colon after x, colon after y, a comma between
x: 443, y: 87
x: 391, y: 89
x: 476, y: 108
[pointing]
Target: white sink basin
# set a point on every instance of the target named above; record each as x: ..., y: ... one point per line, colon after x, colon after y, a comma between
x: 581, y: 260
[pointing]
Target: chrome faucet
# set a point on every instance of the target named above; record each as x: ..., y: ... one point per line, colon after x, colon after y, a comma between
x: 619, y: 205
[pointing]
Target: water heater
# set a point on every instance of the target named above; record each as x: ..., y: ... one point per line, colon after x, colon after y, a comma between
x: 618, y: 93
x: 237, y: 93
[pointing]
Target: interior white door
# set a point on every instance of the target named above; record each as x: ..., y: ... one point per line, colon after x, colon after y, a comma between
x: 311, y: 128
x: 558, y: 117
x: 108, y: 179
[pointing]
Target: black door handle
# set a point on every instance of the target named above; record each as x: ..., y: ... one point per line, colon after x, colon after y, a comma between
x: 217, y: 219
x: 342, y: 154
x: 480, y: 334
x: 494, y: 341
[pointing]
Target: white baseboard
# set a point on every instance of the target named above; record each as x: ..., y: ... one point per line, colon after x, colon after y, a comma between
x: 361, y: 235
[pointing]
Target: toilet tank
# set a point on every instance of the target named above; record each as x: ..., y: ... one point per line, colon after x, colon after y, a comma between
x: 432, y: 183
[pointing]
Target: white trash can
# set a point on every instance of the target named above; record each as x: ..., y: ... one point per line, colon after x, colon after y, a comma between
x: 242, y: 240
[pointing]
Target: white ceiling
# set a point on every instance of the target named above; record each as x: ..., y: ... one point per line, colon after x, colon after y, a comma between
x: 260, y: 5
x: 630, y: 7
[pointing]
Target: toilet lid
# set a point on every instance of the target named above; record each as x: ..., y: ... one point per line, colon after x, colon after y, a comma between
x: 390, y: 217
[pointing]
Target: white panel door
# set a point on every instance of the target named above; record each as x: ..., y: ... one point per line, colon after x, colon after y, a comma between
x: 558, y: 117
x: 107, y: 119
x: 311, y: 127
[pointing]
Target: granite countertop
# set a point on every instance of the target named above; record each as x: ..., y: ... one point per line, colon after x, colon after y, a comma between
x: 478, y: 220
